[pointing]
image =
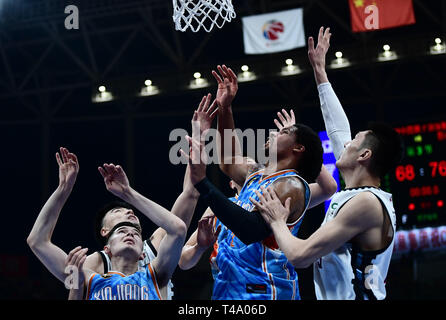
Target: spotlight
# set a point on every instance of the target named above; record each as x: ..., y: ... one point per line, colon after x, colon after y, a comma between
x: 102, y: 95
x: 387, y: 54
x: 339, y: 62
x: 438, y: 48
x: 198, y: 81
x: 290, y: 68
x: 246, y: 75
x: 149, y: 89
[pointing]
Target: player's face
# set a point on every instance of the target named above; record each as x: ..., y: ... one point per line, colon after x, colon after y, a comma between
x: 284, y: 140
x: 126, y: 238
x: 118, y: 215
x: 352, y: 151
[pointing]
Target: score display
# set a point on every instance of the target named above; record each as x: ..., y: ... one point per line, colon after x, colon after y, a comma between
x: 418, y: 183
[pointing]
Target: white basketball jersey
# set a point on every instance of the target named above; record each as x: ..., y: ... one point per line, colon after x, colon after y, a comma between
x: 150, y: 254
x: 349, y: 273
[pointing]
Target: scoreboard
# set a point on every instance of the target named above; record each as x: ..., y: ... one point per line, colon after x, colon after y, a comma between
x: 418, y: 183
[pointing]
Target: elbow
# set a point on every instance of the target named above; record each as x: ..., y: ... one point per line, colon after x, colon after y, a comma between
x: 180, y: 229
x: 32, y: 241
x: 301, y: 260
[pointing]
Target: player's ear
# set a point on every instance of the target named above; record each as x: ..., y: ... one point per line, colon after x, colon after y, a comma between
x: 299, y: 148
x: 142, y: 256
x: 365, y: 155
x: 107, y: 250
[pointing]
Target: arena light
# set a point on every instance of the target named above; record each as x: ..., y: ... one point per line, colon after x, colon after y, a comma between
x: 149, y: 89
x: 198, y: 82
x: 246, y: 75
x: 387, y: 54
x: 102, y: 95
x: 290, y: 68
x: 438, y: 48
x: 340, y: 61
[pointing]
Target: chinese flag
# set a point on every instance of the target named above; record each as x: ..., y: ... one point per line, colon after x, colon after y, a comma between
x: 369, y: 15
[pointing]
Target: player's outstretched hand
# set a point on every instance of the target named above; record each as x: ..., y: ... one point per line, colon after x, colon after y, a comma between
x: 74, y: 268
x: 285, y: 119
x: 317, y: 54
x: 205, y: 114
x: 68, y: 167
x: 227, y: 86
x: 270, y: 206
x: 206, y: 236
x: 196, y: 158
x: 115, y: 180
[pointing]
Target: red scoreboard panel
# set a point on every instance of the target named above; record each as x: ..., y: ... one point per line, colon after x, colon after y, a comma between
x: 418, y: 184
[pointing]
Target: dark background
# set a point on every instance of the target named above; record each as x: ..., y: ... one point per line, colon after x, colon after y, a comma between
x: 48, y: 75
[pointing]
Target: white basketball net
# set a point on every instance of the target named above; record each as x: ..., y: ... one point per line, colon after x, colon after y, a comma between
x: 194, y: 14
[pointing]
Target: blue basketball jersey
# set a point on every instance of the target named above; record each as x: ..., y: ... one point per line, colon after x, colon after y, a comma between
x: 114, y: 285
x: 259, y: 271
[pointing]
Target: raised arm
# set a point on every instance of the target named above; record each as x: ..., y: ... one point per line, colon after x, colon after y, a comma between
x: 169, y: 251
x: 232, y: 162
x: 39, y: 239
x: 336, y: 121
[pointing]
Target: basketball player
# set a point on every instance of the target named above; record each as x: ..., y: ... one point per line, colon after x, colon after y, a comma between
x: 351, y: 251
x: 40, y: 237
x: 116, y: 212
x: 125, y: 247
x: 250, y: 266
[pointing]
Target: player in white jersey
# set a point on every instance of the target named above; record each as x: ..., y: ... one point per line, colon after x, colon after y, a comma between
x: 351, y: 250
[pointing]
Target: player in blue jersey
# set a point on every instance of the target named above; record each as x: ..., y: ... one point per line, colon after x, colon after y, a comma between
x: 250, y: 265
x: 117, y: 183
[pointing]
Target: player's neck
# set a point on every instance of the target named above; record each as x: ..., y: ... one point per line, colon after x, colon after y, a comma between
x: 124, y: 265
x: 359, y: 177
x: 279, y: 165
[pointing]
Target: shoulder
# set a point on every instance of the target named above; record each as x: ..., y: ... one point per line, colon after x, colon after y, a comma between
x: 94, y: 262
x: 364, y: 207
x: 288, y: 185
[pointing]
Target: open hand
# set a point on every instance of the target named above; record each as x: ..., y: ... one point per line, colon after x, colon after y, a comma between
x: 270, y: 206
x: 286, y: 120
x: 115, y: 180
x: 206, y: 235
x: 227, y: 86
x: 68, y: 167
x: 205, y: 114
x: 74, y: 268
x: 317, y: 55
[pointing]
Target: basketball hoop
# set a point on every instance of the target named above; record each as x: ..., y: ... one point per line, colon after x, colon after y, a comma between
x: 194, y: 14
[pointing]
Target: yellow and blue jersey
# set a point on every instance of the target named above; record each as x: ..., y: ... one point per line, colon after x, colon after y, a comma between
x: 258, y: 271
x: 141, y: 285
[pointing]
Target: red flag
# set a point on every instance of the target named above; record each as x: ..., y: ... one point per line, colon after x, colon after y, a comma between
x: 369, y: 15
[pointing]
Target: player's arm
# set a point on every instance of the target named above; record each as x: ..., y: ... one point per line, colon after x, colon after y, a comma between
x: 324, y: 187
x: 232, y: 162
x: 202, y: 238
x: 359, y: 214
x: 335, y: 119
x: 39, y: 239
x: 185, y: 204
x: 183, y: 208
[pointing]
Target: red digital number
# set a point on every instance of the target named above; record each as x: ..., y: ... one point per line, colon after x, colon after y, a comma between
x: 405, y: 173
x: 438, y: 166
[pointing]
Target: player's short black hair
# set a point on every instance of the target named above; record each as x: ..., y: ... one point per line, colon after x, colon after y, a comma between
x: 387, y: 148
x: 99, y: 219
x: 310, y: 164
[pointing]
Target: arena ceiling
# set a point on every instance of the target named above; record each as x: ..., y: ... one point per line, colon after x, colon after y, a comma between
x: 121, y: 43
